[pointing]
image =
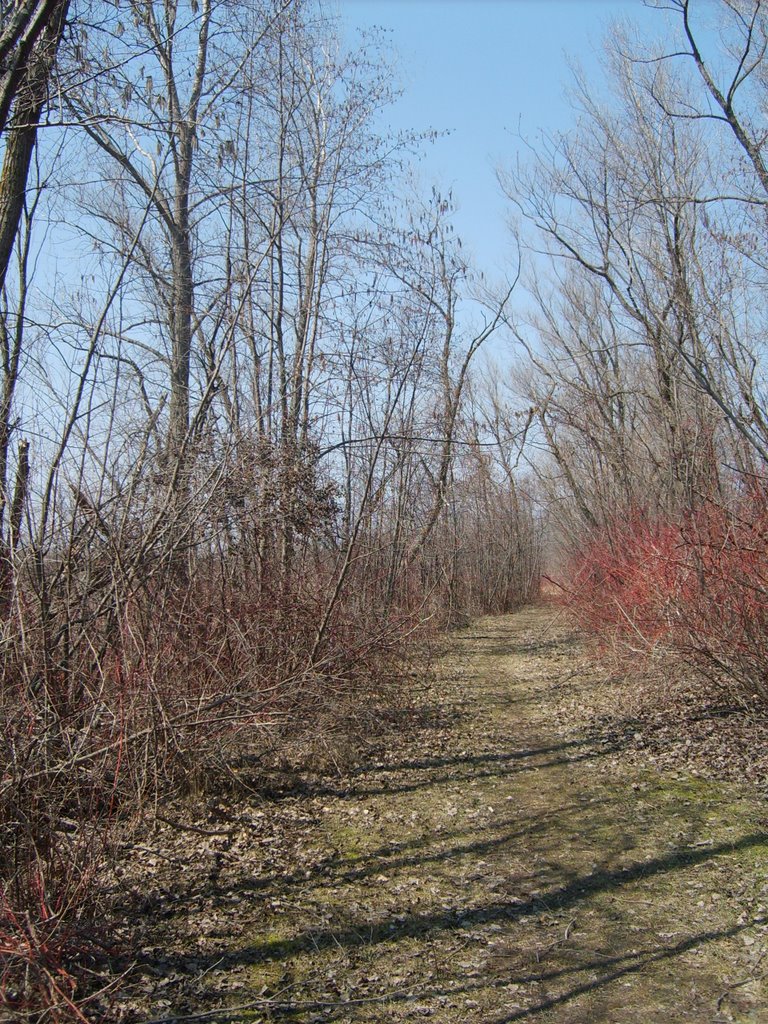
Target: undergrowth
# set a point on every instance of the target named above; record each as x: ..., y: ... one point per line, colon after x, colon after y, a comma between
x: 693, y: 587
x: 165, y: 696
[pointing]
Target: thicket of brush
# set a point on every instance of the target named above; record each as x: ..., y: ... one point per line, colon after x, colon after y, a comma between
x: 239, y: 476
x: 693, y: 588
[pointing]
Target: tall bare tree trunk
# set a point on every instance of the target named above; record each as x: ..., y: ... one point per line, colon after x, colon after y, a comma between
x: 29, y: 99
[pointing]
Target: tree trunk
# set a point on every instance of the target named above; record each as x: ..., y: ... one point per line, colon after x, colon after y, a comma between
x: 30, y: 98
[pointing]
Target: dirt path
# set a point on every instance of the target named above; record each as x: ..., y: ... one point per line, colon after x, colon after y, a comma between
x: 504, y: 866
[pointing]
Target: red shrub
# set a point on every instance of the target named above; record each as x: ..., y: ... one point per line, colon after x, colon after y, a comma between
x: 697, y: 587
x: 43, y: 956
x: 627, y: 580
x: 724, y: 623
x: 183, y: 684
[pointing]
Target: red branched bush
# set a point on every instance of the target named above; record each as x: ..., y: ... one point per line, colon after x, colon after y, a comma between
x: 724, y: 623
x: 44, y: 958
x: 697, y: 587
x: 187, y: 682
x: 627, y: 578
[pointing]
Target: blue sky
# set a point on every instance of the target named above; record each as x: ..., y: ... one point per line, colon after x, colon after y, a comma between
x: 488, y: 71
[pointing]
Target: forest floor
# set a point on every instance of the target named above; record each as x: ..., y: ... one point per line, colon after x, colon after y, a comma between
x: 522, y: 851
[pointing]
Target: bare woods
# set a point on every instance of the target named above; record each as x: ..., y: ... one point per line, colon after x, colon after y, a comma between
x: 646, y: 343
x: 249, y: 446
x: 239, y: 467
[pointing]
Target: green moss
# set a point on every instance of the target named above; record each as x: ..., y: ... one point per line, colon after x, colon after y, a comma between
x: 347, y: 839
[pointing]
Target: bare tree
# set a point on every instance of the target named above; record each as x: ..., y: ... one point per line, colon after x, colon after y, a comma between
x: 161, y: 119
x: 29, y: 41
x: 652, y: 327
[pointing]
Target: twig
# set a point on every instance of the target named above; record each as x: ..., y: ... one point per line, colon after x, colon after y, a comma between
x: 740, y: 984
x: 309, y: 1004
x: 194, y: 828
